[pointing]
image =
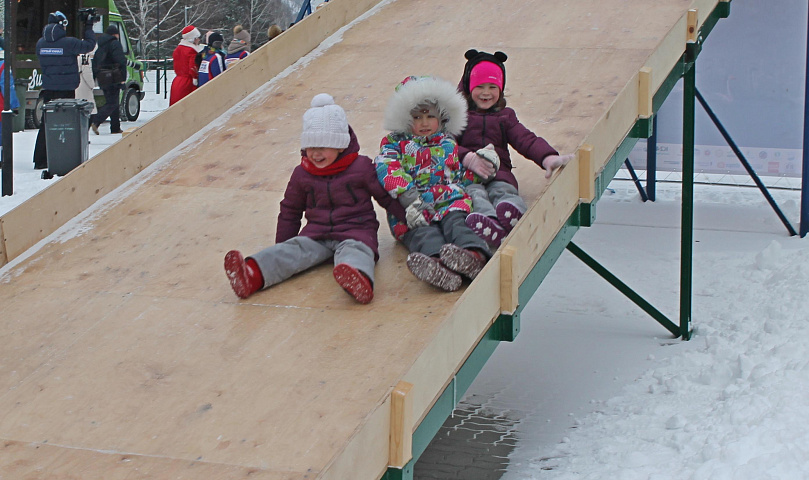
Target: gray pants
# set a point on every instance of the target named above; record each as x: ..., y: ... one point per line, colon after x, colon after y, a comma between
x: 486, y: 197
x: 283, y: 260
x: 452, y: 229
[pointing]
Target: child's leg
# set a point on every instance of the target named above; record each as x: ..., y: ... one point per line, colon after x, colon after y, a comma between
x: 480, y: 200
x: 425, y: 245
x: 283, y: 260
x: 354, y: 269
x: 427, y: 240
x: 244, y: 275
x: 455, y: 231
x: 465, y: 252
x: 508, y: 204
x: 483, y: 219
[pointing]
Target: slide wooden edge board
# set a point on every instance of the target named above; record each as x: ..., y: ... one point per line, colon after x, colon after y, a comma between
x: 38, y: 217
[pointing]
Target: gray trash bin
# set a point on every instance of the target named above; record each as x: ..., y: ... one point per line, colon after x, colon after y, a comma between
x: 66, y: 123
x: 20, y: 86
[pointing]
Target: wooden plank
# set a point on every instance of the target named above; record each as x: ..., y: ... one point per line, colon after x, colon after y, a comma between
x: 587, y: 191
x: 692, y: 25
x: 509, y: 287
x: 3, y: 252
x: 645, y: 93
x: 401, y: 425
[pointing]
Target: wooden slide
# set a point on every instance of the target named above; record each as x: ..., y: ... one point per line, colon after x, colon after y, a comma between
x: 124, y: 354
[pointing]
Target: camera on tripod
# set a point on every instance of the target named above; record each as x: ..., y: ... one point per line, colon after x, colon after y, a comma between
x: 88, y: 15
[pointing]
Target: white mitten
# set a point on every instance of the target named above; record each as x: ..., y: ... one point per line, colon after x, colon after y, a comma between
x: 555, y: 162
x: 195, y: 81
x: 479, y: 165
x: 414, y: 213
x: 490, y: 155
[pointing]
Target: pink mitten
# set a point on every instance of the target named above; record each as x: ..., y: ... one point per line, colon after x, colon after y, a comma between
x: 555, y: 162
x: 482, y: 167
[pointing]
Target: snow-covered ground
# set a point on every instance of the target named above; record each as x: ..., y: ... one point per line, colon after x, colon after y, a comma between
x: 598, y: 389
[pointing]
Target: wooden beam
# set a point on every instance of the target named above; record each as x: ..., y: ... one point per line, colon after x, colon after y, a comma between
x: 587, y: 187
x: 401, y: 425
x: 509, y: 286
x: 692, y: 26
x: 645, y: 93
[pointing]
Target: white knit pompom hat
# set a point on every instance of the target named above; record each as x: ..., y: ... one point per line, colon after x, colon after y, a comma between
x: 325, y: 124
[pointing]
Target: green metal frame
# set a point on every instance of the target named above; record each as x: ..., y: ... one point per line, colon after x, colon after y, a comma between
x: 506, y: 327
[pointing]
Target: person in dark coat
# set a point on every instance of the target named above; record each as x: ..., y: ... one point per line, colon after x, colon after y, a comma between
x: 109, y: 69
x: 332, y: 188
x: 239, y: 46
x: 213, y: 59
x: 497, y: 205
x: 57, y: 55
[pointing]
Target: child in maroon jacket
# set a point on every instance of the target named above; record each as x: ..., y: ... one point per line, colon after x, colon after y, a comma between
x: 497, y: 205
x: 332, y: 187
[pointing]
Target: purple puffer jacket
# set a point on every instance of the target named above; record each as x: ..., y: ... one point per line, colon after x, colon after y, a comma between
x: 337, y: 207
x: 502, y: 129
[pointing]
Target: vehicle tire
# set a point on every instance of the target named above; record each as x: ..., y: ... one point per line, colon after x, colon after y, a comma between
x: 131, y: 105
x: 33, y: 118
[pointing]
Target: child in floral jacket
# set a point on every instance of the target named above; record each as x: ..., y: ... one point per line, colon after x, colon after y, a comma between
x: 418, y: 165
x: 332, y: 187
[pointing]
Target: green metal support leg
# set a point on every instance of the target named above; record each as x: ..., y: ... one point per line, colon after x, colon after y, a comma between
x: 624, y: 288
x: 405, y: 473
x: 687, y: 221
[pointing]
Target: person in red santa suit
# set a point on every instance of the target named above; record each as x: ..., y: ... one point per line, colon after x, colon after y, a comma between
x: 185, y: 67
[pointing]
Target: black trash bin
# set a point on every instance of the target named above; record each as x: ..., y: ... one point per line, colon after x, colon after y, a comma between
x: 66, y: 123
x: 20, y: 86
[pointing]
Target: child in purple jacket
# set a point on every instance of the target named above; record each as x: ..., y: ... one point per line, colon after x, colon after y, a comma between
x: 497, y: 204
x: 332, y: 187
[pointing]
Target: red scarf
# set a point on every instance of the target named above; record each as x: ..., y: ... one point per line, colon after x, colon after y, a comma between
x: 338, y: 166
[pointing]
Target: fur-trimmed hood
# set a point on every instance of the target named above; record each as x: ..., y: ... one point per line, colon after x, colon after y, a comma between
x: 415, y: 91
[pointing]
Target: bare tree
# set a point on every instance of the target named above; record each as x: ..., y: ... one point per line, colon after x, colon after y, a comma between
x: 141, y: 17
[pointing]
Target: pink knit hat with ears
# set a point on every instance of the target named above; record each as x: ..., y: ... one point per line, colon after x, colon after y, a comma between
x: 485, y: 72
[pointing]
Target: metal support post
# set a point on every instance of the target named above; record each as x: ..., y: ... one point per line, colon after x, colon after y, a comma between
x: 651, y: 161
x: 624, y: 288
x: 804, y: 226
x: 635, y: 180
x: 8, y: 148
x: 745, y: 163
x: 687, y: 221
x: 7, y: 115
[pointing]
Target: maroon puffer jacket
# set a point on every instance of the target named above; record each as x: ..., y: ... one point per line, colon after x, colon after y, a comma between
x: 502, y: 129
x: 337, y: 207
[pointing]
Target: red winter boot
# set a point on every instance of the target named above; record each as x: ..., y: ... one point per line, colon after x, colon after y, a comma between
x: 245, y: 276
x: 354, y: 282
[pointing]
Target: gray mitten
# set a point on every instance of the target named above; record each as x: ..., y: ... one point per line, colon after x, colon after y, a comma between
x: 415, y: 214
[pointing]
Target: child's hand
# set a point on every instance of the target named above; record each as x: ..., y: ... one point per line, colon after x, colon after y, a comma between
x: 415, y: 214
x: 490, y: 155
x: 555, y: 162
x: 479, y: 165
